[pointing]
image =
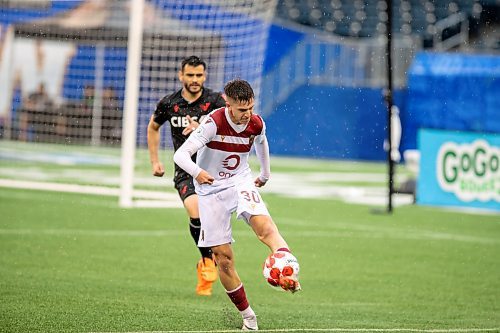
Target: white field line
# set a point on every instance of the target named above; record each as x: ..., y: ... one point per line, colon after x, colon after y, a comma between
x: 366, y: 330
x: 158, y: 199
x: 299, y: 187
x: 286, y: 185
x: 109, y: 178
x: 94, y: 233
x: 58, y: 157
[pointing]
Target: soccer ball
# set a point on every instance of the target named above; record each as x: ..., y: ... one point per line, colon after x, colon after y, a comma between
x: 281, y: 270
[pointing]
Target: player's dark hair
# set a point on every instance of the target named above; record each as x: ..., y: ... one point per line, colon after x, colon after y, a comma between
x: 239, y: 90
x: 193, y: 61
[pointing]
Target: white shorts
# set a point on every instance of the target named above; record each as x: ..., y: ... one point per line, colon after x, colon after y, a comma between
x: 216, y: 210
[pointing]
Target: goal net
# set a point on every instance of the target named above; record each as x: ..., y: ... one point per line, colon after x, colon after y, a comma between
x: 69, y: 90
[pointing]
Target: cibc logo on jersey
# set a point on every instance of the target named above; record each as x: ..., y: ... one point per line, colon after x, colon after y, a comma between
x: 229, y: 163
x: 181, y: 121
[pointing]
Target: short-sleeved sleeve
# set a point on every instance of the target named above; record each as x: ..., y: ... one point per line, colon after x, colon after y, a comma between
x: 160, y: 115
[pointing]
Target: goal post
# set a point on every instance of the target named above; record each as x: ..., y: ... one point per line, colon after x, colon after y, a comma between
x: 132, y: 84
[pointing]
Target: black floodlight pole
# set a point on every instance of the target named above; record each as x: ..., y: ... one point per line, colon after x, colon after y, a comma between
x: 388, y: 99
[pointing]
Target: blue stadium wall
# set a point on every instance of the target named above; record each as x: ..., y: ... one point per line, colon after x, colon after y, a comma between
x: 452, y: 91
x: 330, y: 122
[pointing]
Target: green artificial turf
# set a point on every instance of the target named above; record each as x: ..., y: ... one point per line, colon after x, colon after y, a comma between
x: 78, y: 263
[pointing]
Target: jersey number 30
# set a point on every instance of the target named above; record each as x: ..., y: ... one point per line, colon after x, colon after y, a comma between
x: 251, y: 196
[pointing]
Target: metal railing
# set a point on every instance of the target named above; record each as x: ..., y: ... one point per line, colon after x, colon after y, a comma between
x: 336, y: 62
x: 457, y: 26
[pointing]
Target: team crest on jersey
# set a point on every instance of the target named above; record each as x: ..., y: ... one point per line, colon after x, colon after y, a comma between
x: 176, y: 108
x: 222, y: 137
x: 205, y: 106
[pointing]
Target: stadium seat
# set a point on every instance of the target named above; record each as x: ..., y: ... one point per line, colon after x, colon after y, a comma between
x: 368, y: 18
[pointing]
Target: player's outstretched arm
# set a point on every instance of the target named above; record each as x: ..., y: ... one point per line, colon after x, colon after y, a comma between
x: 197, y: 140
x: 153, y: 144
x: 182, y: 158
x: 262, y: 152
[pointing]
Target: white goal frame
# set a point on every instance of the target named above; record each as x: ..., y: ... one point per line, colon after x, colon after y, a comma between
x: 132, y: 84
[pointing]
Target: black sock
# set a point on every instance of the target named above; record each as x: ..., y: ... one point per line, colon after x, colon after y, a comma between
x: 194, y: 228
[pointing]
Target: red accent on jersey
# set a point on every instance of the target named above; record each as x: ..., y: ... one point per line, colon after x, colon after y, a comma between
x: 254, y: 127
x: 176, y: 108
x: 205, y: 106
x: 229, y: 147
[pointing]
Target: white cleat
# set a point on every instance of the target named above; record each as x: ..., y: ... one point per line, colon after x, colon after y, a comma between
x: 250, y: 324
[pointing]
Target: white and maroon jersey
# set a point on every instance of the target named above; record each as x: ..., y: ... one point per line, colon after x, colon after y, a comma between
x: 223, y: 148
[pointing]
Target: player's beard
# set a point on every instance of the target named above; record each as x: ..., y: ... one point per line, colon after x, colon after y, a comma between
x: 189, y: 88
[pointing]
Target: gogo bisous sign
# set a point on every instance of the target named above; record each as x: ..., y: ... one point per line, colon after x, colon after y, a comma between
x: 470, y: 171
x: 459, y: 169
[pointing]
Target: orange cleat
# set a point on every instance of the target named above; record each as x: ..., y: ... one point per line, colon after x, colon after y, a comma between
x: 207, y: 274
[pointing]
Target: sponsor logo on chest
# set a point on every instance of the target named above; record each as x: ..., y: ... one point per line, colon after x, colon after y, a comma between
x: 181, y: 121
x: 230, y: 163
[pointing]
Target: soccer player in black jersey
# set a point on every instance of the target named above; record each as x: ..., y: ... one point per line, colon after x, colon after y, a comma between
x: 184, y: 111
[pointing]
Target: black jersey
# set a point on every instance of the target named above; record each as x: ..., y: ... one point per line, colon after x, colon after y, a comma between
x: 174, y: 109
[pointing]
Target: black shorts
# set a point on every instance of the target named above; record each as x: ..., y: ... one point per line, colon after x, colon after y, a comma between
x: 185, y: 187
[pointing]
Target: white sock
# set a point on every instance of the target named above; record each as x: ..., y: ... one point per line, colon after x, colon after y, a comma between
x: 247, y: 313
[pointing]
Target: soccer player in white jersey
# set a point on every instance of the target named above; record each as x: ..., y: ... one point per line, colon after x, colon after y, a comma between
x: 225, y: 185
